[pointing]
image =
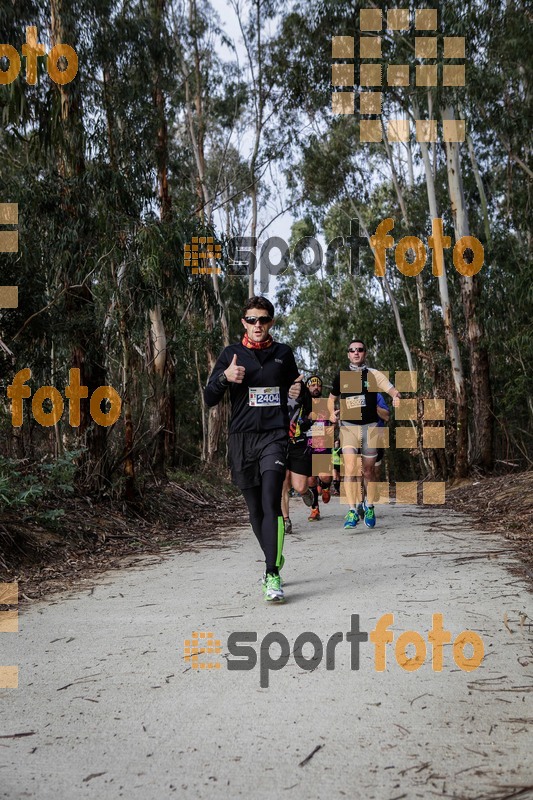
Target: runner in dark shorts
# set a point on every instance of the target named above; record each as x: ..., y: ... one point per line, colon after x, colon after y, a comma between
x: 321, y: 441
x: 299, y: 455
x: 260, y: 374
x: 336, y: 462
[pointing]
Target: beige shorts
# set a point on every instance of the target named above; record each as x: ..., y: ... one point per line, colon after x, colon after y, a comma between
x: 363, y: 439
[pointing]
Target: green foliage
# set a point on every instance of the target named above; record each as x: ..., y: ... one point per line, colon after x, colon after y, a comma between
x: 21, y: 486
x: 59, y: 475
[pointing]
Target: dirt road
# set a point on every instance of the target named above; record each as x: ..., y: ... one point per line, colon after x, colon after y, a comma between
x: 113, y: 709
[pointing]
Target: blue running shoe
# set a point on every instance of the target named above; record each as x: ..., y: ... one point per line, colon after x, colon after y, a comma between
x: 361, y: 510
x: 370, y: 517
x: 350, y: 520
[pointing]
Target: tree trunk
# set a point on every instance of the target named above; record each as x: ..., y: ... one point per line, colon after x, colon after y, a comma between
x: 256, y: 65
x: 72, y: 158
x: 164, y: 416
x: 158, y: 363
x: 196, y: 124
x: 197, y: 134
x: 461, y: 456
x: 87, y: 355
x: 480, y: 188
x: 205, y: 411
x: 424, y: 319
x: 130, y: 490
x: 394, y: 305
x: 482, y: 453
x: 387, y: 290
x: 215, y: 414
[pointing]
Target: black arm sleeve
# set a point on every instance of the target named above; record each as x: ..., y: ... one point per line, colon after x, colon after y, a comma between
x: 214, y: 391
x: 336, y: 387
x: 292, y: 369
x: 307, y: 407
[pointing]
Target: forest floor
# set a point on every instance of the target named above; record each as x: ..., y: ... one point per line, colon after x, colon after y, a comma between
x: 185, y: 514
x: 501, y: 505
x: 192, y: 512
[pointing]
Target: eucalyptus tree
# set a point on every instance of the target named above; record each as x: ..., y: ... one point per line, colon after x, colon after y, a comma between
x: 465, y: 184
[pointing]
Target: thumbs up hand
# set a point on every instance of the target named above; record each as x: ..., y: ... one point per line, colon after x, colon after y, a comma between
x: 234, y: 373
x: 296, y: 387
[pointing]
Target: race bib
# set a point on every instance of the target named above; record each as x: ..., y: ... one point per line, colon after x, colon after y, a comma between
x: 263, y: 396
x: 356, y: 401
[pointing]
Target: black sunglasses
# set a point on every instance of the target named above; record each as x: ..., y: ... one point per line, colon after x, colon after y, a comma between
x: 356, y: 349
x: 261, y: 320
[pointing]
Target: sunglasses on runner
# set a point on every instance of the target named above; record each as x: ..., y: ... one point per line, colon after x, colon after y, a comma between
x: 261, y: 320
x: 356, y: 349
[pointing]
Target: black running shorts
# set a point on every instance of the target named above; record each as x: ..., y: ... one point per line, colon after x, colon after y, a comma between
x: 300, y: 458
x: 252, y: 454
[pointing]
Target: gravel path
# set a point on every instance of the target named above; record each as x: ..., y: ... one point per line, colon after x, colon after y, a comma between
x: 115, y: 710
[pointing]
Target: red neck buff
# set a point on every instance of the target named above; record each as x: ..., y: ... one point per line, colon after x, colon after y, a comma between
x: 257, y: 345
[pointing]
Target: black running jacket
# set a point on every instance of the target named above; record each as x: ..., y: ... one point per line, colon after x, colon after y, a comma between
x: 272, y: 367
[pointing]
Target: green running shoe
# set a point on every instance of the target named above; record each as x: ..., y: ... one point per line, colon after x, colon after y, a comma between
x: 272, y: 590
x: 350, y: 520
x: 263, y: 579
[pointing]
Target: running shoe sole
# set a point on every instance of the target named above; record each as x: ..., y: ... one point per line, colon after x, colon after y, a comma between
x: 277, y: 600
x: 308, y: 498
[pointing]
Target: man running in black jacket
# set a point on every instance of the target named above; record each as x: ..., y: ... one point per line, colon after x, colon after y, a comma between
x: 260, y: 373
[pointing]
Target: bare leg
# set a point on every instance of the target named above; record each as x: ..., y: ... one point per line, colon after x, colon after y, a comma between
x: 370, y: 479
x: 352, y: 478
x: 325, y: 479
x: 300, y: 482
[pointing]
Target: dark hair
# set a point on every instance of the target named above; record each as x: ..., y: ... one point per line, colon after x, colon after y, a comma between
x: 360, y: 341
x: 258, y: 302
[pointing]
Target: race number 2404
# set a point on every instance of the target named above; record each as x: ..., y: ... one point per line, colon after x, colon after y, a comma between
x: 264, y: 396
